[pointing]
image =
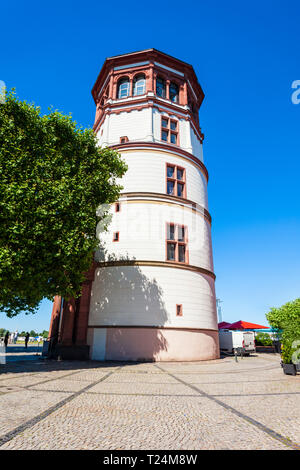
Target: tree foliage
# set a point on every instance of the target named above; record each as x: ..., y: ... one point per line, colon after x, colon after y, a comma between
x: 263, y: 339
x: 286, y: 314
x: 287, y: 319
x: 53, y: 178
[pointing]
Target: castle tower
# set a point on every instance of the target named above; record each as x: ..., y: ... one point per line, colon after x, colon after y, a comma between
x: 150, y: 294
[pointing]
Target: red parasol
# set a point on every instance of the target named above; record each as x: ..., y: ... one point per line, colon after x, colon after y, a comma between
x: 223, y: 325
x: 244, y: 325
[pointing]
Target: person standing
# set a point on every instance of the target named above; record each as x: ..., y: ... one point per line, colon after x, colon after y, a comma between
x: 16, y: 336
x: 26, y: 340
x: 6, y: 339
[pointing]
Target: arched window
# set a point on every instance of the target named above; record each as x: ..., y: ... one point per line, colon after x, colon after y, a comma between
x: 160, y: 87
x: 173, y: 92
x: 139, y: 85
x: 123, y: 88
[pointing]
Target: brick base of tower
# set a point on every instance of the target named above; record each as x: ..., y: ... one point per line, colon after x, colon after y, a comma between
x: 69, y: 323
x: 71, y: 352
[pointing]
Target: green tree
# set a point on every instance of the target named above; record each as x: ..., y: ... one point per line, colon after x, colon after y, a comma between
x: 263, y: 339
x: 288, y: 313
x: 53, y: 178
x: 33, y: 333
x: 287, y: 319
x: 44, y: 334
x: 2, y: 332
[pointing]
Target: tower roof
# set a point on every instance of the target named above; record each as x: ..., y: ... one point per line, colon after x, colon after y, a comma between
x: 148, y: 55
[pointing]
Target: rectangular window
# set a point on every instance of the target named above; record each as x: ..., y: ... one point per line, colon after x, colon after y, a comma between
x: 180, y: 174
x: 180, y: 189
x: 169, y: 131
x: 170, y: 187
x: 170, y: 171
x: 173, y: 125
x: 171, y: 232
x: 164, y: 135
x: 116, y: 237
x: 173, y: 138
x: 181, y: 253
x: 117, y: 207
x: 180, y: 233
x: 176, y: 243
x: 176, y: 185
x: 179, y: 310
x: 171, y: 251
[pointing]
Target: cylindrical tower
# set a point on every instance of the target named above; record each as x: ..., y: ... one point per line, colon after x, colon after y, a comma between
x: 150, y: 294
x: 153, y: 295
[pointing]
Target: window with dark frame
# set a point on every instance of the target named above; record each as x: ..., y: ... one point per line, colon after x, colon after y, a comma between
x: 117, y: 207
x: 169, y: 130
x: 176, y: 184
x: 179, y: 310
x: 116, y: 237
x: 176, y: 243
x: 174, y: 92
x: 160, y: 87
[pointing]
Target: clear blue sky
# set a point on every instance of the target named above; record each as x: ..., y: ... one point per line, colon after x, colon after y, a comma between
x: 246, y: 56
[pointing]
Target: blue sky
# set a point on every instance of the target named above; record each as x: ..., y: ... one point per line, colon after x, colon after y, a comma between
x: 246, y: 56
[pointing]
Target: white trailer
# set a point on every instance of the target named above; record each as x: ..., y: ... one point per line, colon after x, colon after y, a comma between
x: 240, y: 342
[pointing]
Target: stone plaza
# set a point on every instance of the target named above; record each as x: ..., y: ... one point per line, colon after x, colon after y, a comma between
x: 208, y: 405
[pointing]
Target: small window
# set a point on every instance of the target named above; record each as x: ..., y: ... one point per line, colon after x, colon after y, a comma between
x: 171, y: 248
x: 176, y: 240
x: 173, y: 92
x: 161, y: 87
x: 181, y: 253
x: 170, y: 187
x: 179, y: 310
x: 123, y: 139
x: 164, y: 135
x: 116, y: 237
x: 171, y: 232
x: 123, y: 88
x: 180, y: 174
x: 181, y: 236
x: 173, y: 138
x: 180, y: 189
x: 117, y: 207
x: 170, y: 171
x: 169, y: 130
x: 176, y: 185
x: 139, y: 85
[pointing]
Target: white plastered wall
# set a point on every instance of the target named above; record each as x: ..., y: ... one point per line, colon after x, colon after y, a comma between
x: 148, y: 295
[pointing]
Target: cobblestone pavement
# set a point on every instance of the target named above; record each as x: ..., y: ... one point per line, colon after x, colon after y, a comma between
x: 221, y: 404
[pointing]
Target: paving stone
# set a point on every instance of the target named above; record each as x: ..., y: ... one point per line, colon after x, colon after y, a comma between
x: 222, y: 404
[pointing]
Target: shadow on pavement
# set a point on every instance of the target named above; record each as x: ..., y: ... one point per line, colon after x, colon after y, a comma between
x: 20, y: 360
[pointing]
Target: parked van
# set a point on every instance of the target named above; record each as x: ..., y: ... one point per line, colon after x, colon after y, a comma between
x: 242, y: 342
